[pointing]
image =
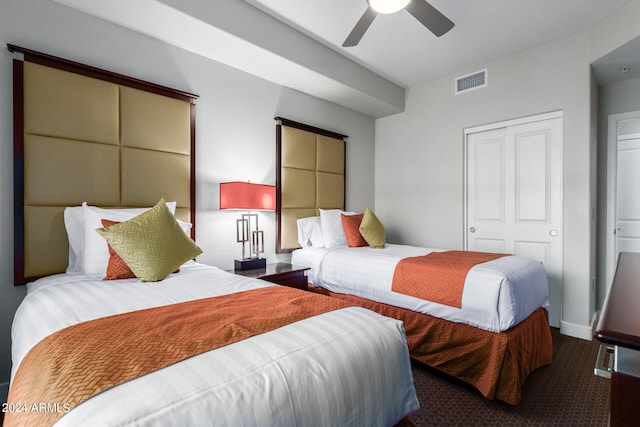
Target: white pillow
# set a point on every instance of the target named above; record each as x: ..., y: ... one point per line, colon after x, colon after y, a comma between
x: 186, y: 226
x: 332, y: 230
x: 95, y: 251
x: 317, y: 238
x: 73, y: 222
x: 310, y: 232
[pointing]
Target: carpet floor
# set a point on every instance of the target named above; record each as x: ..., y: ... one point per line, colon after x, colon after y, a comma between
x: 565, y: 393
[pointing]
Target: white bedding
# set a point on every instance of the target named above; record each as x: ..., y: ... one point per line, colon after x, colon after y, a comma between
x: 345, y: 367
x: 497, y: 294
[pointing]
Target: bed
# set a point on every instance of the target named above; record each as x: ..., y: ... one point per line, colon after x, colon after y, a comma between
x: 101, y: 157
x: 497, y: 296
x: 492, y: 336
x: 345, y: 367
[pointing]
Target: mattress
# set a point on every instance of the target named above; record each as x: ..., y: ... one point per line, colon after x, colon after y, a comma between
x: 348, y: 366
x: 497, y: 294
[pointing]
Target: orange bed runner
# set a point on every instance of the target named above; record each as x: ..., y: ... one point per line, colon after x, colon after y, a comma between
x: 438, y: 276
x: 77, y: 362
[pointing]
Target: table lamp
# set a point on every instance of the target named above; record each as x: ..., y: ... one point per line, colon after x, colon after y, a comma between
x: 248, y: 196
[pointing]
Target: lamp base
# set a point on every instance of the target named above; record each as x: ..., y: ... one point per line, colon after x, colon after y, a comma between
x: 250, y: 264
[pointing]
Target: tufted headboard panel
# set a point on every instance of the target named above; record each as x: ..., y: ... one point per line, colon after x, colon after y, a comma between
x: 82, y: 134
x: 310, y: 176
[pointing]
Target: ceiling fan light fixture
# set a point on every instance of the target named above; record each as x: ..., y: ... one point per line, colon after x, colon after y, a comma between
x: 388, y: 6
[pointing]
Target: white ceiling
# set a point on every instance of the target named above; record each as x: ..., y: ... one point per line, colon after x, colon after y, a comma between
x: 399, y: 48
x: 297, y: 43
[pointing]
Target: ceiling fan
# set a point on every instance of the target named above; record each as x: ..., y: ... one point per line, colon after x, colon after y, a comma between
x: 428, y: 15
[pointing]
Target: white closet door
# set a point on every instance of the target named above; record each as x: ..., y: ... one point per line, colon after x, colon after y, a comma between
x: 514, y: 196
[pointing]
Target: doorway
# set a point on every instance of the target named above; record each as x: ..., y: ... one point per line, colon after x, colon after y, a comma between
x: 623, y: 181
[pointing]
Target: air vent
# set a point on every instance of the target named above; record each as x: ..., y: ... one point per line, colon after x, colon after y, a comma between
x: 471, y: 81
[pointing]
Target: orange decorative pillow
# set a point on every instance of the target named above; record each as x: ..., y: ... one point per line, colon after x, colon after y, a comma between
x: 351, y: 226
x: 117, y: 268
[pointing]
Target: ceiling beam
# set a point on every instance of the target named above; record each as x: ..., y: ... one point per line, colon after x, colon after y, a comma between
x: 239, y: 35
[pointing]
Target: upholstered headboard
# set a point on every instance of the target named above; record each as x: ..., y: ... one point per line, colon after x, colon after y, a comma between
x: 310, y: 176
x: 83, y: 134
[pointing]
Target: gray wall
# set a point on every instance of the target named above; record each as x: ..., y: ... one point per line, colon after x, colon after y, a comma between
x: 235, y: 126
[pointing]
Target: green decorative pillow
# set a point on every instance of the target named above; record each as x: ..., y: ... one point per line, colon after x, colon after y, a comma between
x: 152, y: 244
x: 372, y: 230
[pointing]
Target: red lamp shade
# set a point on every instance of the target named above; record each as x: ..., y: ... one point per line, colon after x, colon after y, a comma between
x: 247, y: 196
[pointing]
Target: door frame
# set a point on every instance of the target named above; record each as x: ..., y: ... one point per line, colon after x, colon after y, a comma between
x: 465, y: 154
x: 612, y: 190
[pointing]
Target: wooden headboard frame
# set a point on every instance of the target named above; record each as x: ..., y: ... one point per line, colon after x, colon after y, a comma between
x: 84, y: 134
x: 310, y: 169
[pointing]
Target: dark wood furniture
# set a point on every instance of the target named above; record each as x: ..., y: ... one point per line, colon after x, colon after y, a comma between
x: 280, y: 273
x: 619, y: 329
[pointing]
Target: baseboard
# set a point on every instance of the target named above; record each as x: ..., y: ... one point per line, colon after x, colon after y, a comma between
x: 577, y: 331
x: 4, y: 391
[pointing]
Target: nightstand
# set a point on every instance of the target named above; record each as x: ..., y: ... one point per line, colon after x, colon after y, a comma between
x: 280, y: 273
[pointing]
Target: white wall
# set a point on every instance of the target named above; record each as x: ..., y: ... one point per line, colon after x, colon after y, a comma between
x: 235, y: 126
x: 419, y: 156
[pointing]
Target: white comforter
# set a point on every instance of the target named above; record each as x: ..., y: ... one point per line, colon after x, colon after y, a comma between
x: 497, y: 294
x: 345, y: 367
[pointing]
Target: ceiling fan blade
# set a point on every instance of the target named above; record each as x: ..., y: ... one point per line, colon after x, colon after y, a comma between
x: 430, y: 17
x: 361, y: 27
